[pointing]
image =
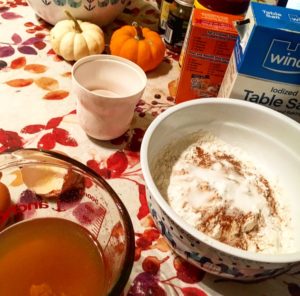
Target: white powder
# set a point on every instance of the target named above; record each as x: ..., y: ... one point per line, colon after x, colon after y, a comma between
x: 217, y: 189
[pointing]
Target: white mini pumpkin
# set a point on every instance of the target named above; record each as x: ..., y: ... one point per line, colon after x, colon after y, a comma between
x: 74, y: 39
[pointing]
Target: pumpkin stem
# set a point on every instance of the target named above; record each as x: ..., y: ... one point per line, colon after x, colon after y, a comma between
x: 139, y: 33
x: 77, y: 26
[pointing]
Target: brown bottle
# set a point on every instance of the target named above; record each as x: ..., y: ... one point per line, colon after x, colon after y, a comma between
x: 177, y: 24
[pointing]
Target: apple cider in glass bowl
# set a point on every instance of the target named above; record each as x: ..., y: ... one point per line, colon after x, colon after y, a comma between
x: 64, y: 231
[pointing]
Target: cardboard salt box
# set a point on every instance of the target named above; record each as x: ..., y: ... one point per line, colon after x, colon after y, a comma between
x: 265, y: 65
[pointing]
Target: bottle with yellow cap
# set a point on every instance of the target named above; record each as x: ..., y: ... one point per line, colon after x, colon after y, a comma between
x: 177, y: 24
x: 164, y: 13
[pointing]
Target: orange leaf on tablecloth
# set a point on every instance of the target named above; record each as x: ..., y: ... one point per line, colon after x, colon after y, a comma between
x: 29, y: 24
x: 47, y: 83
x: 19, y: 82
x: 51, y: 52
x: 30, y: 31
x: 35, y: 68
x: 147, y: 222
x: 172, y: 86
x: 161, y: 244
x: 18, y: 63
x: 56, y: 95
x: 66, y: 74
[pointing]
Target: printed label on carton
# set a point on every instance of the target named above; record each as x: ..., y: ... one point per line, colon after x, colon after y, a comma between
x: 265, y: 65
x: 282, y: 97
x: 207, y: 49
x: 282, y: 57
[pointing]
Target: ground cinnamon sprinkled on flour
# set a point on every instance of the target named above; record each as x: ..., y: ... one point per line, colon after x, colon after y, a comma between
x: 204, y: 158
x: 217, y: 189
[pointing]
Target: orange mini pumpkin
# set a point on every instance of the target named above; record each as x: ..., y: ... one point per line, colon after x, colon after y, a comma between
x: 140, y: 45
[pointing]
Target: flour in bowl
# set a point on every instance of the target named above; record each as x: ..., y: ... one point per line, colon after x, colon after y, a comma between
x: 216, y: 188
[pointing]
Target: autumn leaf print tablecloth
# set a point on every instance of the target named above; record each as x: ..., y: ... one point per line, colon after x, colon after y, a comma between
x: 37, y: 109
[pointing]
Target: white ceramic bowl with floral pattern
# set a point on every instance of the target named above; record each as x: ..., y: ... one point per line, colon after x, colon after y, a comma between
x: 274, y: 140
x: 100, y: 12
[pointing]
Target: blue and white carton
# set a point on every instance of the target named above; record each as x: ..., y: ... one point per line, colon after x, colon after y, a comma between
x: 265, y: 65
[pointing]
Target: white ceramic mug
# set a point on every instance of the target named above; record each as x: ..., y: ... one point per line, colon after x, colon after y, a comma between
x: 107, y: 88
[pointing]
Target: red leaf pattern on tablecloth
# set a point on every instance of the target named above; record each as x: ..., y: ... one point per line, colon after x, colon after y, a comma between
x: 133, y: 158
x: 31, y: 40
x: 16, y: 38
x: 143, y: 209
x: 117, y: 166
x: 18, y: 63
x: 55, y: 134
x: 40, y: 35
x: 6, y: 51
x: 187, y: 272
x: 10, y: 140
x: 192, y: 291
x: 146, y: 240
x: 146, y: 284
x: 39, y: 45
x: 94, y: 165
x: 27, y: 49
x: 151, y: 264
x: 47, y: 142
x: 54, y: 122
x: 63, y: 137
x: 117, y: 163
x: 10, y: 15
x: 32, y: 129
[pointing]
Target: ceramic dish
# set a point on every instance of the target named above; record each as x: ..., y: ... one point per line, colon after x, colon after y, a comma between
x: 266, y: 134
